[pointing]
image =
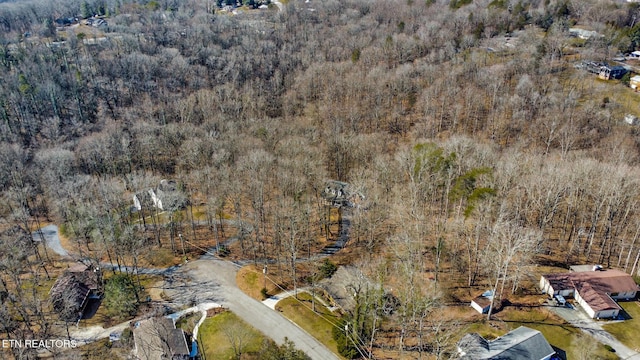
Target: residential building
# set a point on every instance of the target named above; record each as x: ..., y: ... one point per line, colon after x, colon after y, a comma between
x: 634, y: 82
x: 166, y: 196
x: 340, y: 194
x: 521, y: 343
x: 595, y: 291
x: 72, y: 290
x: 608, y: 72
x: 481, y: 304
x: 158, y: 339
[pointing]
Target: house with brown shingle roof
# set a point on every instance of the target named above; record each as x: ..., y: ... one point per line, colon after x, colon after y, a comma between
x: 596, y: 291
x: 70, y: 293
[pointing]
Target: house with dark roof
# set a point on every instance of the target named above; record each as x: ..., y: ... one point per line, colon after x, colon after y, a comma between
x: 72, y: 290
x: 518, y: 344
x: 608, y: 72
x: 596, y: 291
x: 158, y: 339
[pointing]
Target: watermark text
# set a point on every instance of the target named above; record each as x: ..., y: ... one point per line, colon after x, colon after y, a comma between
x: 38, y: 344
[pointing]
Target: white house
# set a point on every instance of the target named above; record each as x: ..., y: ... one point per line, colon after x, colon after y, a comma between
x: 596, y: 291
x: 165, y: 196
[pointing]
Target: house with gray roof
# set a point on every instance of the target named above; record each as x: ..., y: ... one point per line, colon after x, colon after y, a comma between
x: 518, y: 344
x: 158, y: 339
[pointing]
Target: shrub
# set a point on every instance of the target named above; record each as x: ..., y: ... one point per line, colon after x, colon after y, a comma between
x: 327, y: 268
x: 120, y: 296
x: 346, y: 346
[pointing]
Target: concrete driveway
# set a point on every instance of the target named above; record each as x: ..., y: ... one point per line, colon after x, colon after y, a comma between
x: 579, y: 319
x: 51, y: 238
x: 210, y: 279
x: 204, y: 281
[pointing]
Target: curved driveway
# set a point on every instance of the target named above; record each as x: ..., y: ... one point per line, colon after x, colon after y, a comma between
x: 50, y: 236
x: 210, y: 279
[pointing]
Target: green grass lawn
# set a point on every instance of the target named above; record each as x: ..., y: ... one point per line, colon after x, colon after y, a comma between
x: 555, y: 330
x: 318, y: 324
x: 218, y: 335
x: 627, y: 331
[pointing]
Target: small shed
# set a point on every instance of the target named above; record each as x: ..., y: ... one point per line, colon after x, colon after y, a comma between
x: 481, y: 304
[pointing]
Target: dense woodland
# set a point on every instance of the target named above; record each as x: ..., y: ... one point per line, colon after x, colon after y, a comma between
x: 478, y: 160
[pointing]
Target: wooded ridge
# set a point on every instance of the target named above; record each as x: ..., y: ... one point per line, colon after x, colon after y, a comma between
x: 479, y: 150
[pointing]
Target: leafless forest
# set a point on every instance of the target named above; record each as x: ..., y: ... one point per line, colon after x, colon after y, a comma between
x: 480, y: 149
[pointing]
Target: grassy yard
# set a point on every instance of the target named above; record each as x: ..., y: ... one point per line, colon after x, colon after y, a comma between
x: 555, y: 330
x: 218, y: 336
x: 250, y: 280
x: 627, y: 331
x: 318, y: 324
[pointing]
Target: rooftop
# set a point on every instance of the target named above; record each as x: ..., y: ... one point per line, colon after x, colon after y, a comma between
x: 482, y: 301
x: 157, y: 338
x: 68, y: 296
x: 521, y: 343
x: 598, y: 301
x: 607, y: 281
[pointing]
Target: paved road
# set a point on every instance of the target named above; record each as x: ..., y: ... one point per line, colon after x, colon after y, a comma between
x: 210, y: 278
x: 582, y: 321
x: 50, y: 235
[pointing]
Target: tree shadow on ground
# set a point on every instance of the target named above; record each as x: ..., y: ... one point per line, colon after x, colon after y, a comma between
x: 545, y: 261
